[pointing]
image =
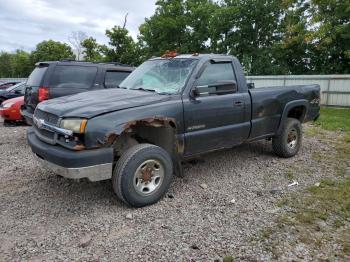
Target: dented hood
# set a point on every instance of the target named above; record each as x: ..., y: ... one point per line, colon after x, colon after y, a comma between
x: 93, y: 103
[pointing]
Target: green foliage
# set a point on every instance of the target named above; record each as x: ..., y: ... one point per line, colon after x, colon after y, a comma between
x: 269, y: 37
x: 21, y: 64
x: 331, y: 36
x: 122, y: 48
x: 165, y: 29
x: 16, y: 64
x: 334, y: 119
x: 5, y: 64
x: 51, y: 51
x: 292, y: 51
x: 251, y: 31
x: 92, y: 50
x: 179, y: 25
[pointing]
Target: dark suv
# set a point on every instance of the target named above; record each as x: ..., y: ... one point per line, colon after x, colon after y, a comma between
x: 62, y: 78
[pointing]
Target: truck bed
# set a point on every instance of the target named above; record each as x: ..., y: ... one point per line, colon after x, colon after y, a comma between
x: 268, y: 104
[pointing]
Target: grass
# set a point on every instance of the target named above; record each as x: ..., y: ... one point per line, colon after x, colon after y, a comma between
x: 334, y: 119
x: 329, y: 202
x: 324, y: 208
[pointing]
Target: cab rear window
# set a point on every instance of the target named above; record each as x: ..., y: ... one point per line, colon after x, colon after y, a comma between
x: 36, y: 76
x: 81, y: 77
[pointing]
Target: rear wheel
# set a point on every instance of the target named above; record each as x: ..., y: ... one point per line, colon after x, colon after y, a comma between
x: 142, y: 175
x: 288, y: 143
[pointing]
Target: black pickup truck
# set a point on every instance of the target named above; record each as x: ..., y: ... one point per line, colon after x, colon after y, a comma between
x: 168, y: 110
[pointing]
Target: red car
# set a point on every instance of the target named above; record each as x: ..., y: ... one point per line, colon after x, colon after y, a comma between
x: 10, y: 109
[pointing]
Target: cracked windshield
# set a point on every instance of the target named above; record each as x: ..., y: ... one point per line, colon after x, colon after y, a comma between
x: 161, y: 76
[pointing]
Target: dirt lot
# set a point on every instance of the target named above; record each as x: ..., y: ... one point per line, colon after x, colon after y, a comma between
x: 219, y: 209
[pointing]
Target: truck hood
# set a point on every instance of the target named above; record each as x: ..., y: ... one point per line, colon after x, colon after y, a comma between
x: 93, y: 103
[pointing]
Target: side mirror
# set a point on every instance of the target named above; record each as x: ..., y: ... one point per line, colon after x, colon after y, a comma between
x: 225, y: 87
x: 251, y: 85
x: 220, y: 88
x: 18, y: 92
x: 201, y: 91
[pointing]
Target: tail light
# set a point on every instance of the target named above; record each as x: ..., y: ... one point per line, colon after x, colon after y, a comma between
x: 43, y: 94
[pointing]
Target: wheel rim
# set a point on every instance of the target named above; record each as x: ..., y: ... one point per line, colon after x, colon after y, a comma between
x: 148, y: 177
x: 292, y: 138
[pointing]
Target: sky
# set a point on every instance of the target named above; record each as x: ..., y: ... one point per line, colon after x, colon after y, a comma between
x: 25, y: 23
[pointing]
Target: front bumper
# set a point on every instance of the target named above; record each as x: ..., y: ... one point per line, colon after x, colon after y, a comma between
x: 96, y: 164
x: 10, y: 114
x: 4, y: 112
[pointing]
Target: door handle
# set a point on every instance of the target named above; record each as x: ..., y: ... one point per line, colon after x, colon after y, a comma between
x: 238, y: 103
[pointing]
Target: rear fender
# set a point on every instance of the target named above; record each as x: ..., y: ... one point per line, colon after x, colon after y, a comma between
x: 289, y: 106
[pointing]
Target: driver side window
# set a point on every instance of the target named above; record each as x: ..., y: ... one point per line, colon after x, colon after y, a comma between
x: 215, y: 73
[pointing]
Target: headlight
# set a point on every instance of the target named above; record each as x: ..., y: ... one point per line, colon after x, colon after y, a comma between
x: 7, y: 105
x: 75, y: 124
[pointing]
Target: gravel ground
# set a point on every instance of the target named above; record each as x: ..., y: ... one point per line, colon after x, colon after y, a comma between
x: 223, y: 201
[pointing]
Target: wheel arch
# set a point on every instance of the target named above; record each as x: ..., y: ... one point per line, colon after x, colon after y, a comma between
x: 159, y: 131
x: 295, y: 109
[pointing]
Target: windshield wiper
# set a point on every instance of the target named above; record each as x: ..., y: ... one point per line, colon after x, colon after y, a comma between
x: 143, y: 89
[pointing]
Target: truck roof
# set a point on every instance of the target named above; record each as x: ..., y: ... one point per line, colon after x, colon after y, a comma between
x: 198, y: 56
x: 86, y: 63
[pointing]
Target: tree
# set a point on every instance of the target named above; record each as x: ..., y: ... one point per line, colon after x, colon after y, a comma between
x: 5, y: 64
x: 165, y: 30
x: 245, y: 28
x: 331, y: 36
x: 21, y: 64
x: 182, y: 25
x: 292, y: 52
x: 93, y: 51
x: 123, y: 48
x: 51, y: 51
x: 249, y: 29
x: 15, y: 64
x: 199, y: 15
x: 76, y: 39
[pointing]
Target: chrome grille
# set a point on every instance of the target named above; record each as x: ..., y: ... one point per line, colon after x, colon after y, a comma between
x: 45, y: 135
x: 47, y: 117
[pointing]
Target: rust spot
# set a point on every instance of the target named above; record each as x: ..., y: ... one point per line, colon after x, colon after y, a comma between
x: 147, y: 174
x: 152, y: 121
x: 130, y: 126
x: 111, y: 138
x: 180, y: 146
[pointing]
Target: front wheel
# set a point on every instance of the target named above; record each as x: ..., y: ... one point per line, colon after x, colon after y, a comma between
x: 142, y: 175
x: 288, y: 143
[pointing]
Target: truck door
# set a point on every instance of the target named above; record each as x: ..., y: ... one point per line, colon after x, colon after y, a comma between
x: 215, y: 112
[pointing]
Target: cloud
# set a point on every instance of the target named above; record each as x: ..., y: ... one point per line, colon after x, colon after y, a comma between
x: 24, y: 23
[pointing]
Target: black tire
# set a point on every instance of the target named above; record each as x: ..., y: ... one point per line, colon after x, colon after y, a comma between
x: 282, y: 144
x: 126, y: 167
